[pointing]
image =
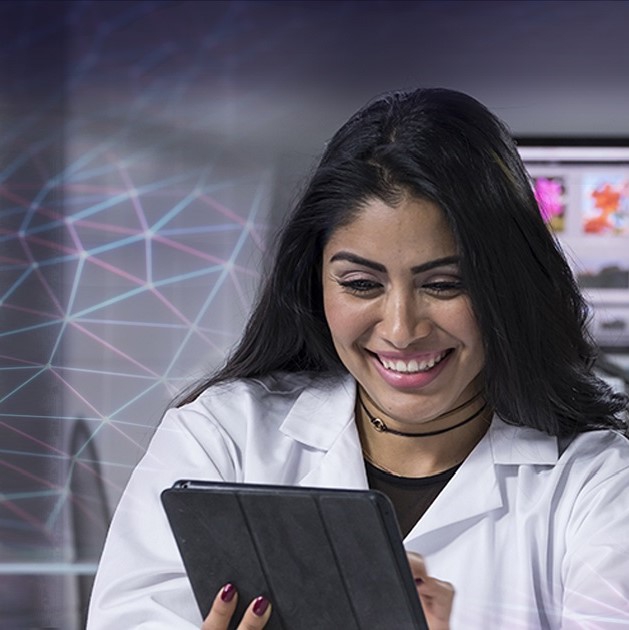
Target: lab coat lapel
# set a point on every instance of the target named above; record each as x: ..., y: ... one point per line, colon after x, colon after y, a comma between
x: 477, y: 488
x: 460, y: 500
x: 322, y: 419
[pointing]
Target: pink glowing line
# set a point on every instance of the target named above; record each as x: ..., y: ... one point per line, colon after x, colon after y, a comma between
x: 32, y: 439
x: 210, y: 201
x: 199, y: 254
x: 20, y: 360
x: 24, y: 309
x: 116, y: 270
x: 83, y: 504
x: 51, y: 294
x: 107, y: 227
x: 26, y: 517
x: 187, y: 249
x: 91, y: 469
x: 183, y: 318
x: 113, y: 349
x: 18, y: 262
x: 257, y: 239
x: 31, y: 476
x: 54, y: 245
x: 8, y: 193
x: 26, y: 202
x: 78, y: 395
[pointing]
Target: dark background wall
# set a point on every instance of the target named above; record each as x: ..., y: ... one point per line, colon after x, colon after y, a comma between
x: 147, y: 150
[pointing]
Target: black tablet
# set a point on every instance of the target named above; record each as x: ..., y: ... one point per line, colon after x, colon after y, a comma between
x: 326, y: 559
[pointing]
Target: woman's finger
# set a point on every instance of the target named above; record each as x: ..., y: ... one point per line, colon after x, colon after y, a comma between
x: 417, y: 564
x: 436, y: 595
x: 222, y: 609
x: 224, y: 606
x: 256, y: 615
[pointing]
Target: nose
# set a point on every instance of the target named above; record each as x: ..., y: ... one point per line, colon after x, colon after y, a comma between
x: 404, y: 320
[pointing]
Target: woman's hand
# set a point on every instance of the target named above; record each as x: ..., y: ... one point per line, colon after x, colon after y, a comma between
x: 255, y: 617
x: 435, y: 595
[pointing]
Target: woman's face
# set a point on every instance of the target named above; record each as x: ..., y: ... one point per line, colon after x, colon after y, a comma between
x: 400, y: 318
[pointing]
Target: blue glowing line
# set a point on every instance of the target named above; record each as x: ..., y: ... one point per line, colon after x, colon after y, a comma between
x: 22, y: 385
x: 31, y: 328
x: 16, y: 285
x: 223, y: 276
x: 177, y: 208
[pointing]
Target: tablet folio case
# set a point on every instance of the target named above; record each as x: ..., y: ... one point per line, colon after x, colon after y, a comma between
x: 326, y: 559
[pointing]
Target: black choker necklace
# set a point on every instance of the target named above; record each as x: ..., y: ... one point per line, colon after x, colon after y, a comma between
x: 380, y: 426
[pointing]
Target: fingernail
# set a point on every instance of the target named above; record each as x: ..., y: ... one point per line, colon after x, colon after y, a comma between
x: 228, y: 592
x: 419, y: 581
x: 260, y: 605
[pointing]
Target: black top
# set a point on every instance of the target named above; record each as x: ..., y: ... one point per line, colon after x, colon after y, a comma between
x: 411, y: 496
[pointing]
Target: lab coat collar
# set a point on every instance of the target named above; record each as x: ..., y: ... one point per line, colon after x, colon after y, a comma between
x: 502, y: 445
x: 521, y: 445
x: 322, y: 418
x: 333, y: 400
x: 338, y: 459
x: 321, y: 412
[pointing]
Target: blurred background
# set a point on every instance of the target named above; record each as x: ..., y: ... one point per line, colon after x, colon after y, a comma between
x: 148, y: 151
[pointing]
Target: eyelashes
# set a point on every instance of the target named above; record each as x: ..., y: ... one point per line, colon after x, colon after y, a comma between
x: 368, y: 288
x: 359, y: 287
x: 448, y: 288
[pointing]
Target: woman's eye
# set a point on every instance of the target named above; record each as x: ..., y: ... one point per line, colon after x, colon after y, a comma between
x: 359, y: 287
x: 444, y: 288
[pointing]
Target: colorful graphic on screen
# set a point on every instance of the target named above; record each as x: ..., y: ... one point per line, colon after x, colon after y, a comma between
x: 605, y: 205
x: 550, y: 193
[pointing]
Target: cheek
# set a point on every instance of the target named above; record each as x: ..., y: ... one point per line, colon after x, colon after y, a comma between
x: 471, y: 336
x: 461, y: 323
x: 336, y: 317
x: 345, y: 321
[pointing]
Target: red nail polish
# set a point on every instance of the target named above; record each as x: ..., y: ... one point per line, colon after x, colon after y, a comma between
x: 228, y: 592
x: 419, y: 581
x: 260, y: 605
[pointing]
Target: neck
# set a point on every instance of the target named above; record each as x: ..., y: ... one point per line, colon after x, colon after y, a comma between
x: 427, y: 449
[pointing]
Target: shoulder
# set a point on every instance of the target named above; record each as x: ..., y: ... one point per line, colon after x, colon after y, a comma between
x: 264, y: 402
x: 569, y: 466
x: 595, y: 458
x: 275, y: 389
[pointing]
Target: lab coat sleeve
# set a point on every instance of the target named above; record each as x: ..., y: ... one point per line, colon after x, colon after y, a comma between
x: 596, y: 565
x: 141, y: 582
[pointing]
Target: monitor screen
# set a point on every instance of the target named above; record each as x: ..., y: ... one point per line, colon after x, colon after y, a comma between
x: 582, y: 187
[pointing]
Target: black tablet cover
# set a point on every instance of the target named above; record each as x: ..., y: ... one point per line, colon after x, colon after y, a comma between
x: 326, y: 559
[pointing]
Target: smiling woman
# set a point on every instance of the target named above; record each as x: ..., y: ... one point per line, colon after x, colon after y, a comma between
x: 402, y: 324
x: 421, y: 334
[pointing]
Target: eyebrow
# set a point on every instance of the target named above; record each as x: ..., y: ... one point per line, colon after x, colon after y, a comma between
x: 365, y: 262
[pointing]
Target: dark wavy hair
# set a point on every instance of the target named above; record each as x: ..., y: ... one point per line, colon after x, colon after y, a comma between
x: 446, y: 147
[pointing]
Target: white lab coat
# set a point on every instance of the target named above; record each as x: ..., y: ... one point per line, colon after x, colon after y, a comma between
x: 528, y: 538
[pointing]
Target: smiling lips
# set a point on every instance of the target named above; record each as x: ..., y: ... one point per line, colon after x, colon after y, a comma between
x: 412, y: 366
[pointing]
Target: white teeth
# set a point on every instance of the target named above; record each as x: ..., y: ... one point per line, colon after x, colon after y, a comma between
x: 412, y: 365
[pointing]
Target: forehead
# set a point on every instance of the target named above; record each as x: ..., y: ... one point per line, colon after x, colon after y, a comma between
x: 410, y: 230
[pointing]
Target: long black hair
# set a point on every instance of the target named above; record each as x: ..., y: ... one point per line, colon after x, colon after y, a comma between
x: 444, y: 146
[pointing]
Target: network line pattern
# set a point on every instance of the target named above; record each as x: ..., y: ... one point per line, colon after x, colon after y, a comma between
x: 144, y: 150
x: 138, y: 285
x: 127, y: 268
